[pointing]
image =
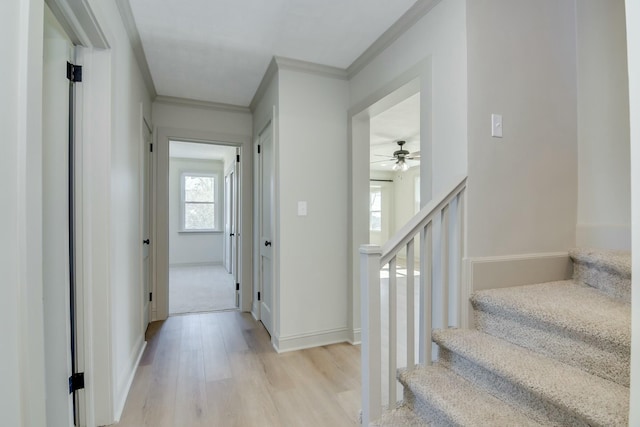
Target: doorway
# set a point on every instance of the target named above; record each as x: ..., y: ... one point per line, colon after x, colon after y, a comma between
x: 201, y: 204
x: 61, y: 240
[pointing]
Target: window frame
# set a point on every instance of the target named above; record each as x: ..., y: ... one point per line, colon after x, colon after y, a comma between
x: 216, y: 205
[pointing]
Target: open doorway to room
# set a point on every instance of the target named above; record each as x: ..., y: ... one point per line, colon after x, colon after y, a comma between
x: 202, y: 223
x: 394, y: 168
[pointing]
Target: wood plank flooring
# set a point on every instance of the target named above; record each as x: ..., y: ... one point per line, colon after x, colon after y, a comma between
x: 219, y: 369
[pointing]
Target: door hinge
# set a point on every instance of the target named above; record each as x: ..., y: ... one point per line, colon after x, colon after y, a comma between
x: 74, y: 72
x: 151, y: 147
x: 258, y: 148
x: 237, y: 286
x: 259, y: 296
x: 76, y: 382
x: 150, y: 296
x: 238, y: 158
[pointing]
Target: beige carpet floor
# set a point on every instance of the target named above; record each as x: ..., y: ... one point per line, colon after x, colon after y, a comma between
x: 195, y: 289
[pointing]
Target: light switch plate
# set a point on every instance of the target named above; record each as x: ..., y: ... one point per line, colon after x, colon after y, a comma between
x: 496, y: 125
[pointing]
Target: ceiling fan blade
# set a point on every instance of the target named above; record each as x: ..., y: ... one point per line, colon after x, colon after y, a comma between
x: 381, y: 161
x: 382, y: 155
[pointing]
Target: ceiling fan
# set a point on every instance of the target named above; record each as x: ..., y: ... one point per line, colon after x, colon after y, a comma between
x: 401, y: 156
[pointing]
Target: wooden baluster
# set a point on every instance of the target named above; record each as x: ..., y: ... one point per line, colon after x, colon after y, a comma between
x: 411, y: 334
x: 426, y: 292
x: 461, y: 250
x: 444, y: 264
x: 393, y: 332
x: 371, y: 350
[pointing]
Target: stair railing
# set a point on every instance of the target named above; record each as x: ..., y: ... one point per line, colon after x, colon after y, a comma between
x: 436, y: 229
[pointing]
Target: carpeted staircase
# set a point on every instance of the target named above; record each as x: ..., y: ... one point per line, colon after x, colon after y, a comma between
x: 548, y: 354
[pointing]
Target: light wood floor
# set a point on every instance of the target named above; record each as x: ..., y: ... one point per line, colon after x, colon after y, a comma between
x: 219, y: 369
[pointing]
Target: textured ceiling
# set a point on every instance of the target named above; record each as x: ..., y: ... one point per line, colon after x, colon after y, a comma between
x: 218, y: 51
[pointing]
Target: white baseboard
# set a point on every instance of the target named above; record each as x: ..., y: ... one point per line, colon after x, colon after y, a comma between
x: 309, y: 340
x: 119, y: 408
x: 512, y: 270
x: 355, y: 336
x: 607, y: 236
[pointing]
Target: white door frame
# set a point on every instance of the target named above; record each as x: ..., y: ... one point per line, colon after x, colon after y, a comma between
x: 416, y: 79
x: 258, y: 310
x: 146, y: 167
x: 161, y: 210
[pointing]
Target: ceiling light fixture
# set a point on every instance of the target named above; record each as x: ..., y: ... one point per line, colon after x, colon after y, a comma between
x: 401, y: 166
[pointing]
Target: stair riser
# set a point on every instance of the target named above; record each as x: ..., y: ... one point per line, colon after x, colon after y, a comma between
x: 601, y: 278
x: 527, y: 401
x: 426, y: 410
x: 606, y: 361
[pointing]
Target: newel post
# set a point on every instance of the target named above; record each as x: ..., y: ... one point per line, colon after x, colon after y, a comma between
x: 371, y: 336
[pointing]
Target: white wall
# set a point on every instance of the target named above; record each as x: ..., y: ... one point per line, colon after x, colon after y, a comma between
x: 122, y: 202
x: 604, y: 204
x: 312, y: 157
x: 633, y: 49
x: 441, y: 36
x: 22, y: 401
x: 194, y: 248
x: 522, y: 187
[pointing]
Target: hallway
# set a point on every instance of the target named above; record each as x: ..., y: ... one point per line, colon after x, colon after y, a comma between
x: 219, y: 369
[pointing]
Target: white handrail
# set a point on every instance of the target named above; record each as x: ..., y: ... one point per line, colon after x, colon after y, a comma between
x: 432, y: 223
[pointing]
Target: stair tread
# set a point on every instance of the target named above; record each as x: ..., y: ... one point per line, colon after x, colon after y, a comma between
x: 617, y: 262
x: 401, y: 416
x: 464, y: 403
x: 565, y: 305
x: 595, y: 400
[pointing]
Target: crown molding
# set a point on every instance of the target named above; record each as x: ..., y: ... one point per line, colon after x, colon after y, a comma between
x: 283, y: 63
x: 406, y: 21
x: 136, y: 44
x: 194, y: 103
x: 269, y: 74
x: 311, y: 68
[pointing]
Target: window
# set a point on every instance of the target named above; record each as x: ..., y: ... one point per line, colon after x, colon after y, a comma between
x: 375, y: 209
x: 198, y: 202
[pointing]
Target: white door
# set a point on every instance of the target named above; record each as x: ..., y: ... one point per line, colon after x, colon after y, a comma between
x: 57, y: 236
x: 147, y: 183
x: 266, y: 228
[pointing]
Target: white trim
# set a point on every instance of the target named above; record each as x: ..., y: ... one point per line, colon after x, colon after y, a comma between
x: 268, y: 76
x: 482, y: 273
x: 310, y: 68
x: 79, y: 22
x: 245, y: 277
x: 125, y: 393
x: 310, y: 339
x: 186, y: 102
x: 356, y: 336
x: 136, y: 44
x: 404, y: 23
x: 216, y: 202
